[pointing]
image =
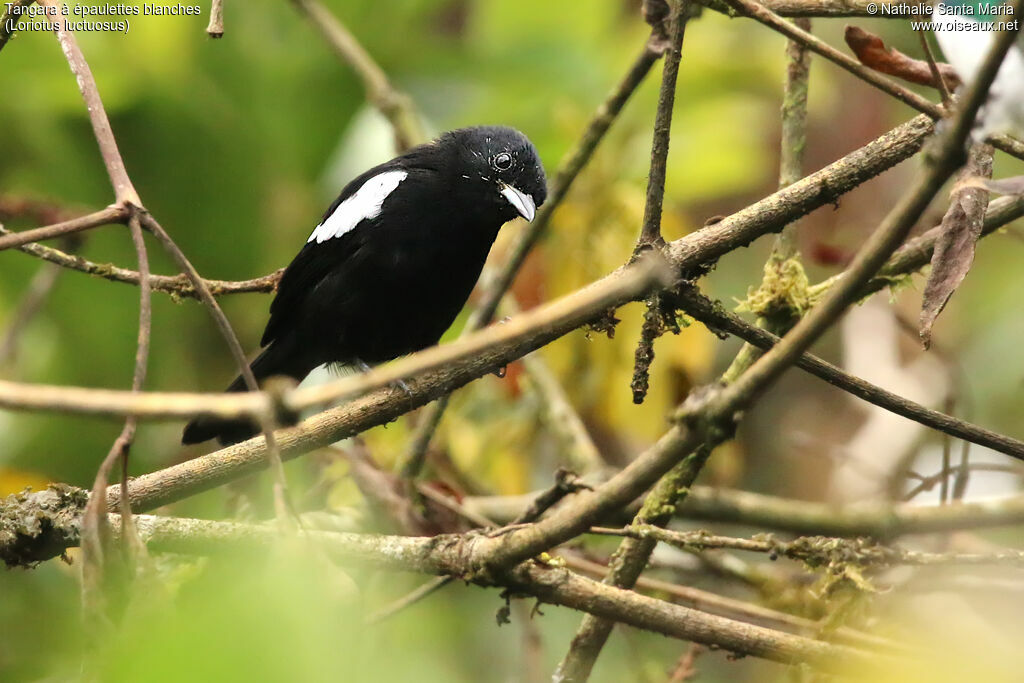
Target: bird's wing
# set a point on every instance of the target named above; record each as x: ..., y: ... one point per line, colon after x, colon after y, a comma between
x: 338, y: 235
x: 331, y: 243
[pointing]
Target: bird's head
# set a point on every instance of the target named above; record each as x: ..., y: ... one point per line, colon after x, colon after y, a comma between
x: 502, y: 169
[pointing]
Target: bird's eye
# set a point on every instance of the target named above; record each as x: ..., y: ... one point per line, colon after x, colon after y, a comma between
x: 503, y: 161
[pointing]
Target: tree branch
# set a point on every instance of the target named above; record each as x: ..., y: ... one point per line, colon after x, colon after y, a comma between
x: 550, y: 584
x: 111, y: 214
x: 815, y: 551
x: 176, y: 285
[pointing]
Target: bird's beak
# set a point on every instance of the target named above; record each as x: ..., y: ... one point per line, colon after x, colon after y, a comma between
x: 522, y: 202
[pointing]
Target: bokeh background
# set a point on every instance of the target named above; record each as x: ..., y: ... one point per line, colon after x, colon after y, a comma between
x: 237, y: 145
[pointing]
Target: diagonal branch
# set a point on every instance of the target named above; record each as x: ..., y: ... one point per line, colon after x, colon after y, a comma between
x: 111, y: 214
x: 395, y: 105
x: 124, y: 191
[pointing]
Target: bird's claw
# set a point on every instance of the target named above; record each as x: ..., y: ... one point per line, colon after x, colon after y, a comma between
x: 400, y: 385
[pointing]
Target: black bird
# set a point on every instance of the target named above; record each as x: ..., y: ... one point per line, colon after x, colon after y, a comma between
x: 393, y: 259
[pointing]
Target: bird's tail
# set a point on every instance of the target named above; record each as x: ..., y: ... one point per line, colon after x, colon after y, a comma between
x: 276, y: 359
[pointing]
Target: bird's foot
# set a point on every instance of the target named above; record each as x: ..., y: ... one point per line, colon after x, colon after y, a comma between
x: 395, y: 385
x: 400, y: 385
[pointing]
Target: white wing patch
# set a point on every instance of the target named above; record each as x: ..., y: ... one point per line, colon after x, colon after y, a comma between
x: 364, y: 203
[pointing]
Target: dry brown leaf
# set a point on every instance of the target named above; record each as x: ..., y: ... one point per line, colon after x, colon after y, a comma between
x: 871, y: 52
x: 954, y: 249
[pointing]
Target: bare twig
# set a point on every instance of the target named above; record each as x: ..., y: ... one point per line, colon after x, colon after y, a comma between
x: 409, y: 599
x: 265, y: 418
x: 650, y: 231
x: 111, y: 214
x: 807, y: 8
x: 176, y: 286
x: 938, y: 78
x: 566, y: 483
x: 395, y: 105
x: 927, y: 483
x: 215, y: 29
x: 881, y: 521
x: 815, y: 551
x: 12, y: 10
x: 917, y: 253
x: 733, y: 608
x: 124, y: 191
x: 580, y: 451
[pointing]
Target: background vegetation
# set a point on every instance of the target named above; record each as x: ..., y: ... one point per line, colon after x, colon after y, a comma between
x: 238, y: 145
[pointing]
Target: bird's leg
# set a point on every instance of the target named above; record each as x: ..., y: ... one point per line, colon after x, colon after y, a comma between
x: 398, y: 384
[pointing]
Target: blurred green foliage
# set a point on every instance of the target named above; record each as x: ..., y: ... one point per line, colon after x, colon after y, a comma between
x: 237, y: 145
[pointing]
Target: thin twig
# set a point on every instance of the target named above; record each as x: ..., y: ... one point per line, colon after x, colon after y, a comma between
x: 107, y: 216
x: 124, y: 191
x: 395, y: 105
x: 650, y: 230
x: 215, y: 29
x: 933, y: 66
x: 930, y: 482
x: 12, y: 10
x: 816, y: 551
x: 176, y: 285
x: 411, y: 598
x: 880, y: 521
x: 580, y: 452
x: 566, y: 483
